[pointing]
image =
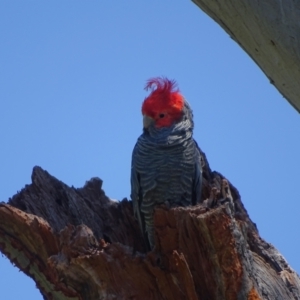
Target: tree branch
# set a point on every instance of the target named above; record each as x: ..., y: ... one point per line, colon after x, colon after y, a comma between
x: 269, y: 32
x: 79, y: 244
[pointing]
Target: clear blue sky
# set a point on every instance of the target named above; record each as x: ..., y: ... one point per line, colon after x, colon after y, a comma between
x: 71, y: 87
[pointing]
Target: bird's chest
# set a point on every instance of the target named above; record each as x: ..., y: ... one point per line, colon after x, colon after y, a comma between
x: 166, y: 171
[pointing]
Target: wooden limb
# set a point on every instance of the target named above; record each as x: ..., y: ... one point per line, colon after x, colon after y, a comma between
x: 78, y: 244
x: 269, y: 31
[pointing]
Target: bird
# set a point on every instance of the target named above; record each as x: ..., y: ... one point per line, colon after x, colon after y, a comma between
x: 166, y: 160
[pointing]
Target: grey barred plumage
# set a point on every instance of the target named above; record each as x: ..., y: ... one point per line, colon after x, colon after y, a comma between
x: 166, y: 168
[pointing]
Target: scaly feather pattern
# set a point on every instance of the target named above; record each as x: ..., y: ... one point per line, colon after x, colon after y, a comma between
x: 166, y: 161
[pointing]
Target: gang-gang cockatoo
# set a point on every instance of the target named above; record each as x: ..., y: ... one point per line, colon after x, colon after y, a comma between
x: 166, y: 160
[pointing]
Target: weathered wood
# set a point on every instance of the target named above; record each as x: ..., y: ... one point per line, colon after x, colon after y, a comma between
x: 79, y: 244
x: 269, y: 31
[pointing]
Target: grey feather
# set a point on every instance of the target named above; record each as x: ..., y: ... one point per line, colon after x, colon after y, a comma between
x: 166, y: 167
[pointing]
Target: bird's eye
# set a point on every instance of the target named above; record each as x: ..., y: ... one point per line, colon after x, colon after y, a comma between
x: 161, y: 115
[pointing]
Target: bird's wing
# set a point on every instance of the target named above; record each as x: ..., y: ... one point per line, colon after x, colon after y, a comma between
x: 197, y: 182
x: 136, y: 194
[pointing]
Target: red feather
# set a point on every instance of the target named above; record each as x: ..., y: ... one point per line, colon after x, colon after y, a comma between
x: 164, y: 98
x: 163, y: 85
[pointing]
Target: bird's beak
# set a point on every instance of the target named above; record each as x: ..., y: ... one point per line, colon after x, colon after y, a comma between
x: 147, y: 121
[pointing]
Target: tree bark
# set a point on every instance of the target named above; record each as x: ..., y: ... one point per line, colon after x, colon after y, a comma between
x: 79, y: 244
x: 269, y: 31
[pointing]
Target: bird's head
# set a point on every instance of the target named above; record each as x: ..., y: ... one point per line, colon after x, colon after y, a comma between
x: 164, y: 106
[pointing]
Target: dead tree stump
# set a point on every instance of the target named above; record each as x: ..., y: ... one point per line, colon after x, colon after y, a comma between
x: 76, y: 243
